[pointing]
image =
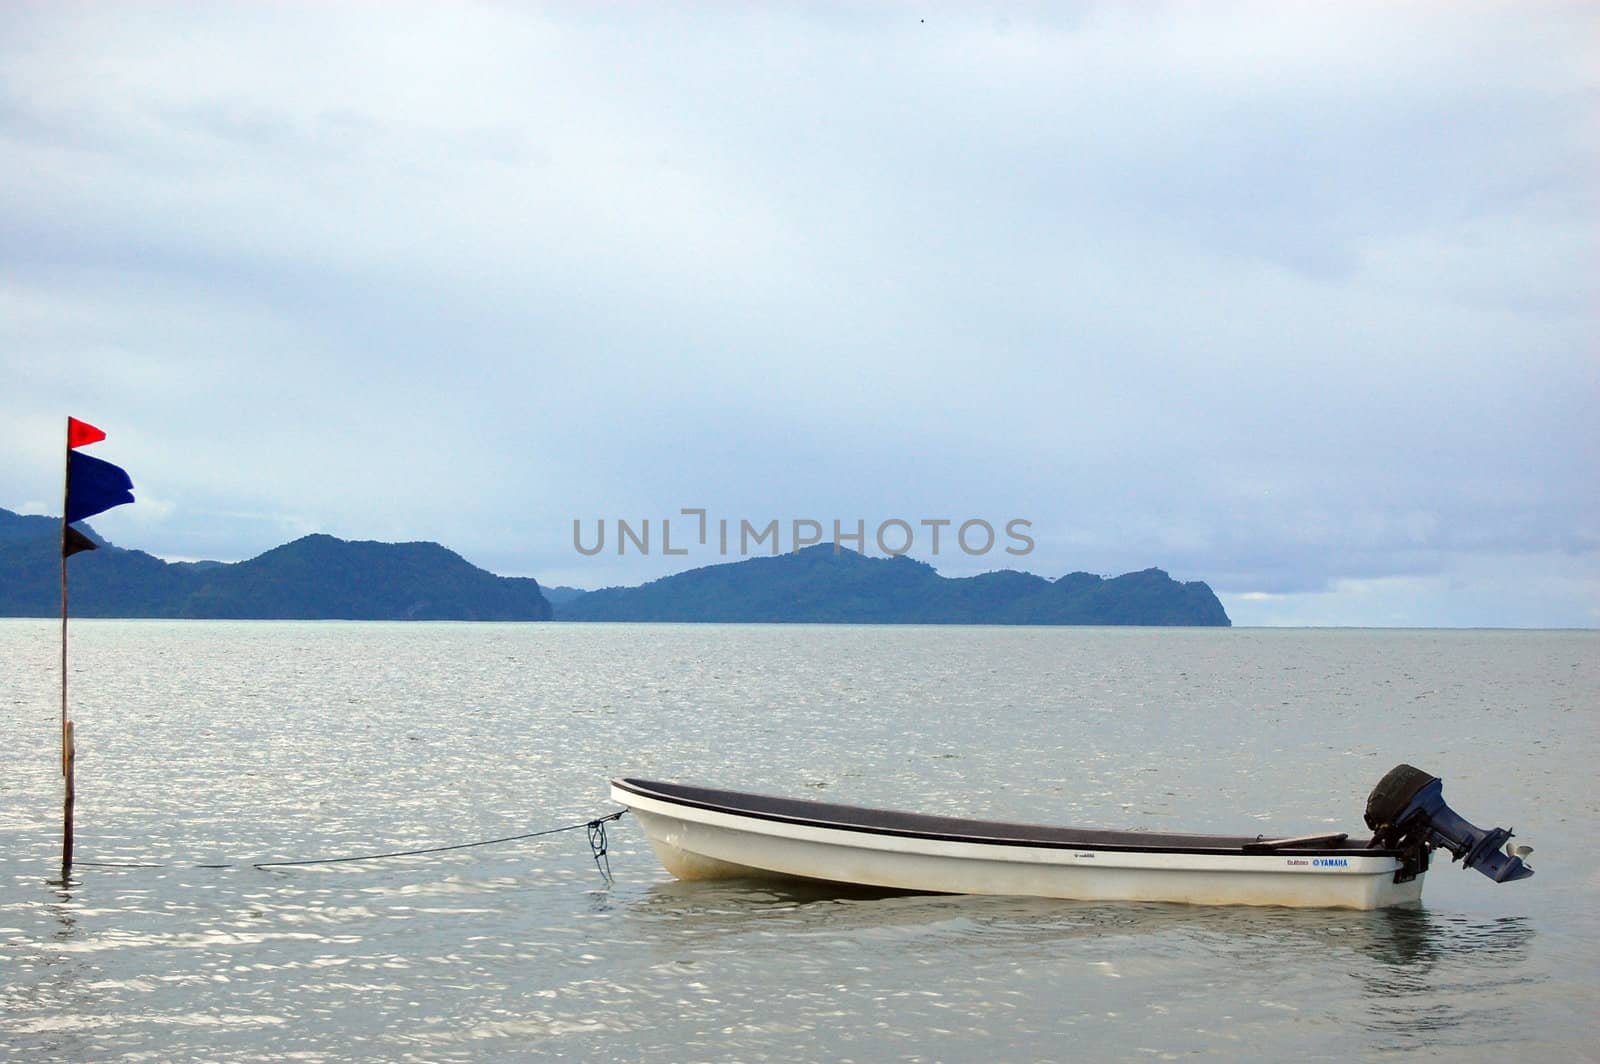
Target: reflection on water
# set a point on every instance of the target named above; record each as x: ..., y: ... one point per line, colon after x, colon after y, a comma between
x: 1450, y: 979
x: 1405, y: 945
x: 1418, y: 939
x: 1425, y: 978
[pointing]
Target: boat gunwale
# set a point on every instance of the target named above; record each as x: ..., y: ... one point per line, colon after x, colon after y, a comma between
x: 806, y: 812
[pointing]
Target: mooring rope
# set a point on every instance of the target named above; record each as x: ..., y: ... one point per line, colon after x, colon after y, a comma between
x: 597, y: 844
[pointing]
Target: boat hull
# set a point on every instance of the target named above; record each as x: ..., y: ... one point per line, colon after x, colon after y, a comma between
x: 694, y: 841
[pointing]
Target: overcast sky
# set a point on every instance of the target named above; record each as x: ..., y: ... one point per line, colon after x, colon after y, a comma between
x: 1299, y: 300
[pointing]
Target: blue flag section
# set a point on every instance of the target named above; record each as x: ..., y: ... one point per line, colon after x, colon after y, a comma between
x: 73, y: 541
x: 94, y: 486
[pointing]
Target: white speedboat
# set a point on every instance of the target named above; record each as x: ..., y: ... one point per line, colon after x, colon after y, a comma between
x: 705, y: 833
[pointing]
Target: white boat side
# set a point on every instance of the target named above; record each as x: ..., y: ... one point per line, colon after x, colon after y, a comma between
x: 740, y: 835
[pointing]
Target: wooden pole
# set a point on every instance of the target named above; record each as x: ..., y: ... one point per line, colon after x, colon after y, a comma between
x: 63, y: 654
x: 66, y: 725
x: 66, y: 489
x: 66, y: 805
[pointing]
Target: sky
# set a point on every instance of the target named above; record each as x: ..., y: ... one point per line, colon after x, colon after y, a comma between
x: 1296, y: 299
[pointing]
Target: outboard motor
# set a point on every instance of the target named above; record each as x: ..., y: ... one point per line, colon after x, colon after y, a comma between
x: 1406, y: 812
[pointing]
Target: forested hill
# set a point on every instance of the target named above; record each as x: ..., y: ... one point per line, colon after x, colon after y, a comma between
x: 316, y: 577
x: 822, y: 585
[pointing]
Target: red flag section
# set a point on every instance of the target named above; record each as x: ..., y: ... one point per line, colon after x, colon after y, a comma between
x: 80, y: 433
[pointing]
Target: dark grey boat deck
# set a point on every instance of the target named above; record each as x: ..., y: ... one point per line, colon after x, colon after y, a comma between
x: 991, y: 832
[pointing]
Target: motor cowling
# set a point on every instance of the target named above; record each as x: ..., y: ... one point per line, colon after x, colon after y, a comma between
x: 1406, y: 811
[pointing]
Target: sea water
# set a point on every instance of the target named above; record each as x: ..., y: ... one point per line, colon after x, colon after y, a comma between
x: 234, y: 743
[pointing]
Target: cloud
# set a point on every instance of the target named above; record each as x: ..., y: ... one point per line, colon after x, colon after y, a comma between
x: 1281, y: 298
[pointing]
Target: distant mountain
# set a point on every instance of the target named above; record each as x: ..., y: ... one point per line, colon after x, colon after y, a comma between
x: 319, y: 577
x: 820, y: 585
x: 314, y: 578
